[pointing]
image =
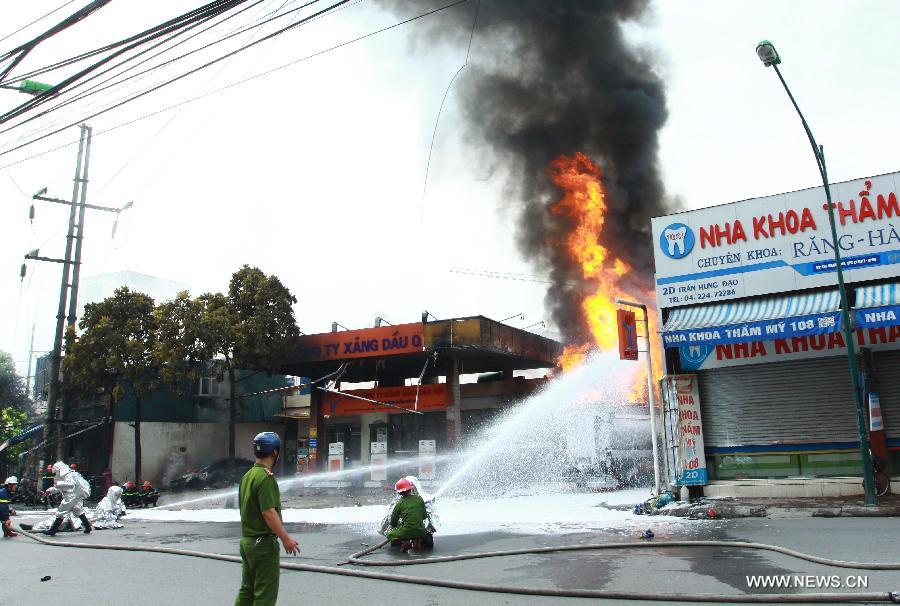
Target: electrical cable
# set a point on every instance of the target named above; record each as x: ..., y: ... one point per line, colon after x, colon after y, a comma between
x: 190, y: 72
x: 139, y: 40
x: 875, y: 596
x: 99, y: 87
x: 441, y: 109
x: 41, y: 18
x: 198, y: 97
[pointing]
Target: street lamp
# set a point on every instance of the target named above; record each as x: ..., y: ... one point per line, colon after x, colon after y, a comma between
x: 650, y: 392
x: 766, y: 52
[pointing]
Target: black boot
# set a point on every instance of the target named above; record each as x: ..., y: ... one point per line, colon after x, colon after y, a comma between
x: 86, y: 523
x: 55, y: 528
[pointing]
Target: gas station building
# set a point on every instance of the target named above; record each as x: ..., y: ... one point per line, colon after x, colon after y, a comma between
x: 412, y: 397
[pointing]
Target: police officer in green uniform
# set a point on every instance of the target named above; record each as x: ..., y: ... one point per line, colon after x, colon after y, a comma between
x: 261, y: 526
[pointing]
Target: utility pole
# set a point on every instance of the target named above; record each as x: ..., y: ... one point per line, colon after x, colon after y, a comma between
x: 30, y: 358
x: 57, y: 411
x: 50, y: 425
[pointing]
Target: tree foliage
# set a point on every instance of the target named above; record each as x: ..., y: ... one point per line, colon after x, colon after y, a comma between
x: 180, y: 347
x: 12, y: 386
x: 116, y: 347
x: 12, y: 421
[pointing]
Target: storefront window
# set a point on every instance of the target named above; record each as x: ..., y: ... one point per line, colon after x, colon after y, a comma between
x: 801, y: 465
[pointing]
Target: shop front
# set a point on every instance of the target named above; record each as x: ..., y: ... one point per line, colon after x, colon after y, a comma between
x: 750, y: 307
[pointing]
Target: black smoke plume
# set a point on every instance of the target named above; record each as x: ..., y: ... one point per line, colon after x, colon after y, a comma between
x: 552, y: 77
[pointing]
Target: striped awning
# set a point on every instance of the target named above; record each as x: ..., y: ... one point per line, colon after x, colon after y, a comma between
x: 877, y: 305
x: 753, y: 319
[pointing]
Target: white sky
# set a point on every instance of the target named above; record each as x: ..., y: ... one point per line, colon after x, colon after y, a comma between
x: 315, y: 172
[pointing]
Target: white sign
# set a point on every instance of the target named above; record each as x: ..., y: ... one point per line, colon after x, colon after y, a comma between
x: 876, y: 421
x: 378, y: 460
x: 778, y: 243
x: 702, y: 357
x: 427, y: 450
x: 691, y: 464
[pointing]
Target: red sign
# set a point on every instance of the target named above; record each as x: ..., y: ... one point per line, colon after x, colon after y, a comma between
x: 431, y: 397
x: 364, y: 343
x: 628, y: 347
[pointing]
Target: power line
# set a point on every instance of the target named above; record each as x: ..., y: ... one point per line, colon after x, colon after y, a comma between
x: 41, y: 18
x: 233, y: 84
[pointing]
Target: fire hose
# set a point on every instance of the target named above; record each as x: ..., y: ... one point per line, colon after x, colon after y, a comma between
x: 356, y: 559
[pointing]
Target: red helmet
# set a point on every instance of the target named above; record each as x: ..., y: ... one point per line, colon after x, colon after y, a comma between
x: 128, y: 485
x: 49, y: 468
x: 74, y: 466
x: 403, y: 485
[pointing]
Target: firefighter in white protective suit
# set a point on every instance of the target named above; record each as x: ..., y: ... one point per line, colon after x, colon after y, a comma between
x: 74, y: 489
x: 109, y: 509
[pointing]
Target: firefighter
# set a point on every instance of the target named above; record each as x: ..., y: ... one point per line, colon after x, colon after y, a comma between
x: 74, y: 490
x: 131, y: 496
x: 6, y: 492
x: 261, y: 526
x: 47, y: 483
x: 149, y: 495
x: 408, y: 518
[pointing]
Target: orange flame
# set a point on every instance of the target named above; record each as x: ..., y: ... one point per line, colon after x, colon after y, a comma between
x: 584, y: 201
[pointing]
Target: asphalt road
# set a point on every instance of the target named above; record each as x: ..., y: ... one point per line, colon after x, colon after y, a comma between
x: 83, y: 576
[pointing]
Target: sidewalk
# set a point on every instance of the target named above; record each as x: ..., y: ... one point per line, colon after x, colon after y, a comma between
x: 801, y: 507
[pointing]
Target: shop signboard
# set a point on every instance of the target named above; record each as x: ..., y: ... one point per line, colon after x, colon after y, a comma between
x: 706, y: 356
x: 431, y: 397
x: 363, y: 343
x: 778, y: 243
x: 683, y: 391
x: 628, y: 346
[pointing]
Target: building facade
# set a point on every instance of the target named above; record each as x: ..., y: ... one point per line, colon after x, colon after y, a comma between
x: 759, y: 390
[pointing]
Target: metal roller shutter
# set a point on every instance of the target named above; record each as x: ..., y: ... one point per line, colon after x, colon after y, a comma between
x: 887, y: 367
x: 803, y: 401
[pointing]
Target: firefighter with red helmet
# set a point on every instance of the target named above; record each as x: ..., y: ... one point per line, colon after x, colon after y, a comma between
x: 46, y: 484
x: 408, y: 518
x: 131, y: 496
x: 149, y: 495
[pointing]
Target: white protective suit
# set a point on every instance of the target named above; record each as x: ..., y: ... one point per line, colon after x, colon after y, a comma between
x: 73, y: 488
x: 109, y: 509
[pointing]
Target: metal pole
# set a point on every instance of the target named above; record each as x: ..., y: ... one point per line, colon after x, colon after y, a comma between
x: 862, y: 425
x: 30, y: 358
x: 81, y: 183
x: 56, y: 355
x: 651, y: 398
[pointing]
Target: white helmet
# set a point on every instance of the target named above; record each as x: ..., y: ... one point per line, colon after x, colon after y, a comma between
x: 11, y: 480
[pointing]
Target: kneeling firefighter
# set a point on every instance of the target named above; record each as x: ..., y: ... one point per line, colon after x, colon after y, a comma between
x: 6, y: 492
x: 74, y: 490
x: 408, y: 518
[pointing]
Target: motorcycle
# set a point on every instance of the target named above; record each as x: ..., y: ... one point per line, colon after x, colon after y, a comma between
x: 432, y: 521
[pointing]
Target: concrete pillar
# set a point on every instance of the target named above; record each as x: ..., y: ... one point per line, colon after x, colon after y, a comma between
x: 454, y: 398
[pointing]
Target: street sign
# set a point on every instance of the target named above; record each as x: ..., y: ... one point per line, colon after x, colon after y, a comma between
x: 628, y: 347
x: 313, y: 442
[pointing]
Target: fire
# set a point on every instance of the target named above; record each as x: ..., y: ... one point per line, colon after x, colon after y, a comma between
x: 584, y: 201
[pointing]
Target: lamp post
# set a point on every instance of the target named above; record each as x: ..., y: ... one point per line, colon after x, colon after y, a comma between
x: 650, y: 395
x: 766, y: 52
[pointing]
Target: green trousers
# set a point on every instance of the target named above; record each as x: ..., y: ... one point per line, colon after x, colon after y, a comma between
x: 259, y: 582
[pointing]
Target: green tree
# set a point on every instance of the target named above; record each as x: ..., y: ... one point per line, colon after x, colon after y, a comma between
x: 12, y: 421
x: 179, y: 349
x: 116, y: 344
x: 253, y: 327
x: 12, y: 387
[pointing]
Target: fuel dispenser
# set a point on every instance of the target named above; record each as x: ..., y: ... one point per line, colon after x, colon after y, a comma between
x: 427, y: 449
x: 302, y: 456
x: 378, y: 460
x: 336, y: 456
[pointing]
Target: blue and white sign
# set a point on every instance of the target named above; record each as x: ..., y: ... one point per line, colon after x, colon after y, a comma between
x: 763, y: 330
x: 780, y: 243
x: 676, y: 241
x: 877, y: 317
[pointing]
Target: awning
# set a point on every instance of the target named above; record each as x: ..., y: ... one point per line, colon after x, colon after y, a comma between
x: 765, y: 319
x: 877, y: 306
